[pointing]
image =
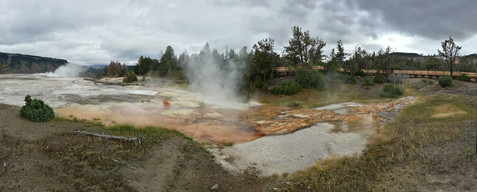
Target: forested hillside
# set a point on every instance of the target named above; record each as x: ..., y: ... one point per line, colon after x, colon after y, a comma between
x: 18, y: 63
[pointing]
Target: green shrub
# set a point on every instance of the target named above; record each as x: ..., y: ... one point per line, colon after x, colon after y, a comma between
x: 463, y: 77
x: 445, y: 81
x: 130, y: 77
x: 286, y: 88
x: 310, y: 79
x: 390, y: 90
x: 378, y: 78
x: 36, y: 110
x: 360, y: 73
x: 291, y: 89
x: 428, y: 81
x: 350, y: 80
x: 258, y: 82
x: 367, y: 82
x: 276, y: 90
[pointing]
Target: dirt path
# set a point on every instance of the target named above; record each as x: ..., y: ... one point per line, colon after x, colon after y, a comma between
x: 156, y: 172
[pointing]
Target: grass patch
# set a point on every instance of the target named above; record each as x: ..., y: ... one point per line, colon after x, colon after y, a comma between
x: 308, y: 98
x: 148, y: 133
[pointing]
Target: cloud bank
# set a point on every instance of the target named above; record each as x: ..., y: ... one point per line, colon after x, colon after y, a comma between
x: 96, y: 32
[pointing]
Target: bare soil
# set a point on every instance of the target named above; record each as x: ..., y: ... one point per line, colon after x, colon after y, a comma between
x: 49, y: 157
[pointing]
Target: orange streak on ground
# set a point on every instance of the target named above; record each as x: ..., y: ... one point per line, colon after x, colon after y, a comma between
x: 221, y: 125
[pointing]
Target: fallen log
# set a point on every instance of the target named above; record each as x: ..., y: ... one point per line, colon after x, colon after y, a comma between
x: 138, y: 138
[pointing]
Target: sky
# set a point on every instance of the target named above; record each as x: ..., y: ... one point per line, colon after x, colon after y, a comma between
x: 99, y: 31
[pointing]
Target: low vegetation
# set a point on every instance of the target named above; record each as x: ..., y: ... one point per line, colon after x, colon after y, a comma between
x: 399, y: 142
x: 390, y: 90
x: 367, y: 82
x: 286, y: 88
x: 463, y: 77
x: 445, y: 81
x: 310, y: 79
x: 378, y: 78
x: 428, y: 81
x: 36, y: 110
x: 129, y: 77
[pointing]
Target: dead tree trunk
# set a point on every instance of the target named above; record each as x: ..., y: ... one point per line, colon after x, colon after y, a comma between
x: 138, y: 138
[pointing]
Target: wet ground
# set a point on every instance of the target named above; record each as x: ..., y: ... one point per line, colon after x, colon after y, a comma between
x: 267, y: 137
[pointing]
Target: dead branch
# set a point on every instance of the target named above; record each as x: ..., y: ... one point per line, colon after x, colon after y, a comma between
x: 164, y: 145
x: 124, y: 163
x: 138, y: 138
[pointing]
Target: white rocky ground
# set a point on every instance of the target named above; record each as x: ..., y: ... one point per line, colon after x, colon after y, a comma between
x: 58, y: 91
x: 287, y: 153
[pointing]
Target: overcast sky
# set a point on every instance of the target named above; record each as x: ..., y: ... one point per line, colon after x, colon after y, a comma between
x: 98, y: 31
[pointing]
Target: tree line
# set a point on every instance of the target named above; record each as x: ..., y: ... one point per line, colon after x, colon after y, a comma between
x: 302, y: 53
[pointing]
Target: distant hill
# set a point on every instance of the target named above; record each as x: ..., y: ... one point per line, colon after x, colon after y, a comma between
x: 18, y: 63
x: 402, y: 54
x: 93, y: 70
x: 471, y: 56
x: 98, y: 69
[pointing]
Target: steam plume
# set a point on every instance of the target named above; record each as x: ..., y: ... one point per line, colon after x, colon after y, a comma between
x: 216, y: 77
x: 68, y: 70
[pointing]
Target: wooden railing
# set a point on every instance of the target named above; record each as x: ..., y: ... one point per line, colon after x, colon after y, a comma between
x: 285, y: 71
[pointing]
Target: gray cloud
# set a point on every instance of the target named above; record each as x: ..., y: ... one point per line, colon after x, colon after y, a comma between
x: 435, y: 19
x: 91, y: 32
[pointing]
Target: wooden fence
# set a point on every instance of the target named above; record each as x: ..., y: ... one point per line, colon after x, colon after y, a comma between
x: 286, y: 71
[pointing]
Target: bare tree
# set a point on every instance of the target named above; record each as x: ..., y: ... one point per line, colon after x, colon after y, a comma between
x: 399, y: 79
x: 450, y: 51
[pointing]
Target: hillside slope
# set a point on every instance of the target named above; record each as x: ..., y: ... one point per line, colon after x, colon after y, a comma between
x: 18, y: 63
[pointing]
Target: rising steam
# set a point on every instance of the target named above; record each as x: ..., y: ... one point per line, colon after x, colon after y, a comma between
x: 68, y: 70
x: 217, y: 78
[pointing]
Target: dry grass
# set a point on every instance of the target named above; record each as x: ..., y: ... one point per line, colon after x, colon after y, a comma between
x: 446, y: 110
x: 400, y: 141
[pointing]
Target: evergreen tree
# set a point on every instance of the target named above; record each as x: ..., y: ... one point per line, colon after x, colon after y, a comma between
x: 168, y: 62
x: 341, y: 55
x: 304, y: 49
x: 264, y: 60
x: 432, y: 64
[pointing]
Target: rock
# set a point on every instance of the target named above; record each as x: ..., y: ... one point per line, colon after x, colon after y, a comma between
x: 215, y: 187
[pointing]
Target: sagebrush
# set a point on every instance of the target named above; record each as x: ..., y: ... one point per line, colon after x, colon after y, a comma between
x: 445, y: 81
